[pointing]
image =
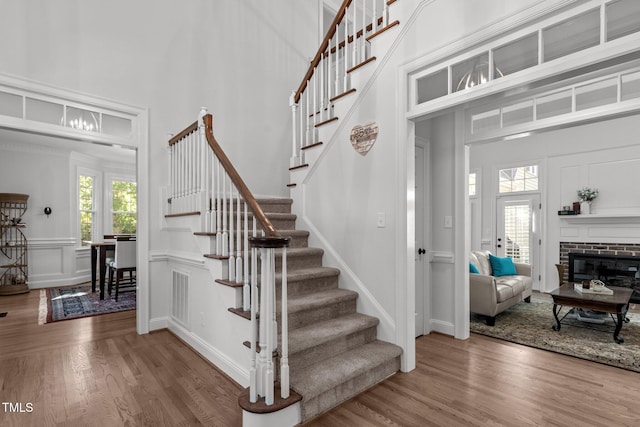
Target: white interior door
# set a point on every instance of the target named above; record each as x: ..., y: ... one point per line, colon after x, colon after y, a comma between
x: 518, y: 231
x: 422, y: 299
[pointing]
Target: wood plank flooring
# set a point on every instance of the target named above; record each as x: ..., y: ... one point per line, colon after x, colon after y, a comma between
x: 483, y: 381
x: 98, y: 371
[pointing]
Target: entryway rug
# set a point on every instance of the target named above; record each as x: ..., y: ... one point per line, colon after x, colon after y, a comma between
x: 531, y: 325
x: 73, y: 302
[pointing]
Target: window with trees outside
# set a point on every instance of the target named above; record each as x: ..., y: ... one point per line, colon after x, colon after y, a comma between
x: 86, y: 202
x: 123, y: 207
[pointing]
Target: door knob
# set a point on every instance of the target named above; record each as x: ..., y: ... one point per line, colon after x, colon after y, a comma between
x: 421, y: 251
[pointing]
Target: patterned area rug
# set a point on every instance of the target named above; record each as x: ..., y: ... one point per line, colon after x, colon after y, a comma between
x: 78, y: 301
x: 530, y: 324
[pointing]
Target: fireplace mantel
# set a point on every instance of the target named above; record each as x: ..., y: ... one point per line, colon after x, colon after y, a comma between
x: 601, y: 218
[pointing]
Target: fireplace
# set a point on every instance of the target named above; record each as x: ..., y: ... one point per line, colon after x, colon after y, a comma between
x: 614, y: 270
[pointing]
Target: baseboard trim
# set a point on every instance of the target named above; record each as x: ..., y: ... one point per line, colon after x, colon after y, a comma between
x: 210, y: 353
x: 446, y: 328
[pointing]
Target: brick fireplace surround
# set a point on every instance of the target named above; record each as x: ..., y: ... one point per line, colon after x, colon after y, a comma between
x: 620, y: 249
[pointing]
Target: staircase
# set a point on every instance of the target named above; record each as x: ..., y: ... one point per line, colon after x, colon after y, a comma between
x: 333, y: 350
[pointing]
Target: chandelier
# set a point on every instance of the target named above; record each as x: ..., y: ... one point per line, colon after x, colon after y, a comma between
x: 478, y: 74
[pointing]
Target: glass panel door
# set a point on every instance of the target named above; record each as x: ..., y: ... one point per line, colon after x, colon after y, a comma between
x: 518, y: 230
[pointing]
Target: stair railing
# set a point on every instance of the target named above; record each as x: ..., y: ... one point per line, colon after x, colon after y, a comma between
x: 204, y: 182
x: 344, y: 47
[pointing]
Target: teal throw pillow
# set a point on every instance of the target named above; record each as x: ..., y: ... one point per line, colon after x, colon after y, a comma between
x: 473, y: 269
x: 502, y: 266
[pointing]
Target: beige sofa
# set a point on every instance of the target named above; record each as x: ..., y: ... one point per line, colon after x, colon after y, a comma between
x: 491, y: 295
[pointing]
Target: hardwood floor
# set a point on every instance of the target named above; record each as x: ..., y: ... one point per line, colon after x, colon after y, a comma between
x: 98, y: 371
x: 483, y: 381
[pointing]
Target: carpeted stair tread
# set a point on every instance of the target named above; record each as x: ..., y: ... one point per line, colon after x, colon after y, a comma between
x: 315, y: 300
x: 320, y: 333
x: 321, y: 377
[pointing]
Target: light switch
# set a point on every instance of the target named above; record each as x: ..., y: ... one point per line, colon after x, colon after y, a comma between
x: 381, y: 221
x: 448, y: 221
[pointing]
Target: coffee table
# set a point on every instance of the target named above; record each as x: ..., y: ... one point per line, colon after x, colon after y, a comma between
x: 617, y: 304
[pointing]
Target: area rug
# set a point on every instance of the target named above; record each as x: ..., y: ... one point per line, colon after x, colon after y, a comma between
x: 531, y: 325
x: 78, y: 301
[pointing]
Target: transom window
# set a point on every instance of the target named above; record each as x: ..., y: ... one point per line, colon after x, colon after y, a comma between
x: 557, y: 38
x: 513, y: 180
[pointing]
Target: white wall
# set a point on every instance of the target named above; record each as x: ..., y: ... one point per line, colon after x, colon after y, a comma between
x: 605, y: 155
x: 240, y: 59
x: 344, y: 192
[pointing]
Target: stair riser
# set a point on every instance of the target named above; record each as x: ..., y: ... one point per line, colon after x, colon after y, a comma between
x: 300, y: 262
x: 278, y: 224
x: 296, y: 241
x: 331, y: 348
x: 316, y: 284
x: 319, y: 314
x: 346, y: 390
x: 275, y: 207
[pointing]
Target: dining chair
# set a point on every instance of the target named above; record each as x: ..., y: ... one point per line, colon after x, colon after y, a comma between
x: 124, y: 261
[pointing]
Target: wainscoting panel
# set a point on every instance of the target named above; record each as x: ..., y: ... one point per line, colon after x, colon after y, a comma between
x: 180, y: 298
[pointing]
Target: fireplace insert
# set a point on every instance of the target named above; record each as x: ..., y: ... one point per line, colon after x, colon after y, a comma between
x: 613, y: 270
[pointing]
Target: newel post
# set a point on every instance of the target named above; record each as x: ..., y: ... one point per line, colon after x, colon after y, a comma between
x: 262, y: 383
x: 294, y: 145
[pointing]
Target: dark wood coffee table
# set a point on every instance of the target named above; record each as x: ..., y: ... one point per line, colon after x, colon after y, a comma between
x: 617, y: 304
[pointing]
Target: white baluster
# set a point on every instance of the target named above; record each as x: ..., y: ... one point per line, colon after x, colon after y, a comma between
x: 246, y: 289
x: 307, y: 114
x: 189, y: 172
x: 263, y: 322
x: 172, y: 159
x: 302, y: 123
x: 354, y: 50
x: 239, y: 260
x: 232, y: 250
x: 336, y: 60
x: 364, y: 31
x: 218, y: 167
x: 345, y: 53
x: 374, y: 17
x: 315, y: 97
x: 225, y: 218
x: 294, y: 145
x: 385, y: 15
x: 267, y: 281
x: 329, y: 79
x: 253, y: 383
x: 284, y: 317
x: 321, y: 97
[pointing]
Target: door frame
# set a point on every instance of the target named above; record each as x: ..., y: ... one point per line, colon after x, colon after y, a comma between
x: 425, y: 304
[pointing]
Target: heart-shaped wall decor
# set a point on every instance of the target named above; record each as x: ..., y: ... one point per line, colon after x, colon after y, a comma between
x: 363, y: 137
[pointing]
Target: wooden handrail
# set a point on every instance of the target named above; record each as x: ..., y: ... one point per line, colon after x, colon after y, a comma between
x: 191, y: 128
x: 322, y: 48
x: 242, y: 188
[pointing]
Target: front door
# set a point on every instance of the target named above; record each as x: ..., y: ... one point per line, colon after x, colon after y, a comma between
x: 518, y: 231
